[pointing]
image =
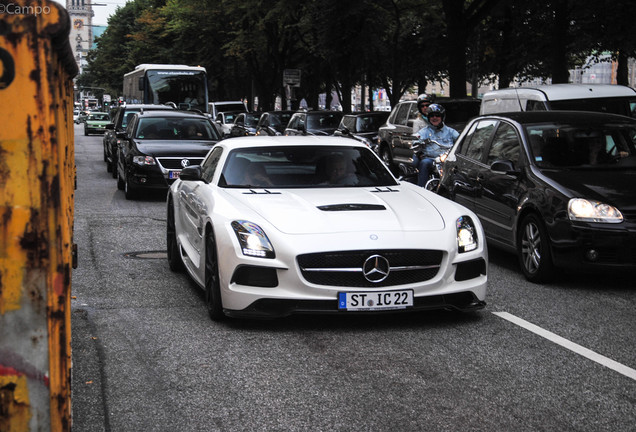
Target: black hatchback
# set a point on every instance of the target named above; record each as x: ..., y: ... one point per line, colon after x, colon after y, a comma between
x: 556, y: 188
x: 158, y: 145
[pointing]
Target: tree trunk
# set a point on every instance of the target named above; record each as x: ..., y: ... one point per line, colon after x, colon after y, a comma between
x: 454, y: 11
x: 622, y: 74
x: 560, y: 73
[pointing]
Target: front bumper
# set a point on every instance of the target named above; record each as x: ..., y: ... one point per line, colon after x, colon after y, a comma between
x: 596, y: 246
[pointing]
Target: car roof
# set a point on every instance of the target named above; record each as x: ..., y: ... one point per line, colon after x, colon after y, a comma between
x: 147, y: 106
x: 368, y: 113
x: 171, y: 113
x: 267, y: 141
x: 529, y: 117
x: 570, y: 91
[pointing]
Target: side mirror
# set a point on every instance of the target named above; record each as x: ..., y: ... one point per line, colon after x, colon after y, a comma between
x: 191, y: 173
x: 504, y: 166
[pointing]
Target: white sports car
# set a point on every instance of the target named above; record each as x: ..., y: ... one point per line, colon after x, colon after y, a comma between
x: 271, y: 226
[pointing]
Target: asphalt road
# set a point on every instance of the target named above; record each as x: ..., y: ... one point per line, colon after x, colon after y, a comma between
x: 557, y: 357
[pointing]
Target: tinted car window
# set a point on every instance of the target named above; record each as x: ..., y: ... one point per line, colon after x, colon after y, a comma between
x: 323, y: 120
x: 478, y: 139
x: 505, y: 145
x: 209, y: 164
x: 175, y: 129
x: 370, y: 123
x: 581, y: 144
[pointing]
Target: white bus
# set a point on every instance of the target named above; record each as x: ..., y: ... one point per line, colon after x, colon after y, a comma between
x: 185, y: 86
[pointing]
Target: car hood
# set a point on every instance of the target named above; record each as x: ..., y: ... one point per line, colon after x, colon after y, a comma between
x: 174, y: 148
x: 616, y: 187
x: 316, y: 211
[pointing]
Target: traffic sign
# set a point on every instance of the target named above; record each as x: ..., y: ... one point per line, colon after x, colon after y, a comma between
x: 291, y: 77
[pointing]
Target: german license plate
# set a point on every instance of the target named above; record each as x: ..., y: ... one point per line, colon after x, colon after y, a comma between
x: 375, y: 300
x: 174, y: 174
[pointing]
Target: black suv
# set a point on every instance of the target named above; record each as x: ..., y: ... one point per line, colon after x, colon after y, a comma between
x: 313, y: 123
x: 157, y: 145
x: 396, y: 136
x: 273, y: 122
x: 115, y: 131
x: 362, y: 126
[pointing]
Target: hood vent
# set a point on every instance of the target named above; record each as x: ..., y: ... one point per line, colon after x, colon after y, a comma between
x: 350, y: 207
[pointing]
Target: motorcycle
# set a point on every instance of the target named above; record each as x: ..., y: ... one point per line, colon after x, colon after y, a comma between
x: 409, y: 172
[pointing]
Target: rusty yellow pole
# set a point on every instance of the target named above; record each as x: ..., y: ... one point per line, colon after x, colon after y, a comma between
x: 37, y: 182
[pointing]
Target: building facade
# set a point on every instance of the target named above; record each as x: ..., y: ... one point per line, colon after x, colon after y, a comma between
x: 81, y: 37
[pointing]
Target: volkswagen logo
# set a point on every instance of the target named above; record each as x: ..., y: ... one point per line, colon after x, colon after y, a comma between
x: 376, y: 268
x: 185, y: 163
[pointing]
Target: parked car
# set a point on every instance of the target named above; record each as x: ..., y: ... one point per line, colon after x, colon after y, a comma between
x: 96, y: 122
x: 76, y: 114
x: 115, y: 130
x: 362, y: 126
x: 272, y: 226
x: 557, y: 188
x: 313, y: 123
x: 608, y: 98
x: 220, y: 106
x: 157, y: 145
x: 273, y: 122
x: 244, y: 124
x: 225, y: 120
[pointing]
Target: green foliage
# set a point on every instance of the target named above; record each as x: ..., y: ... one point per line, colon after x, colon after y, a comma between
x: 395, y: 44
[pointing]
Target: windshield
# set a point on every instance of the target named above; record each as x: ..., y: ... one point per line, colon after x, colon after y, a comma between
x: 175, y: 128
x: 98, y: 117
x: 327, y: 120
x: 370, y: 123
x: 184, y: 88
x: 582, y: 145
x: 304, y: 167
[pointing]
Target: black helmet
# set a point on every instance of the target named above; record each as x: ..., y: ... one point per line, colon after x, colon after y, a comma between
x: 423, y: 98
x: 436, y: 109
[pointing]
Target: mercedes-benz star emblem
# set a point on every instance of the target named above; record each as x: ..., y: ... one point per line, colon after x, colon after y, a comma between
x: 376, y: 268
x: 185, y: 163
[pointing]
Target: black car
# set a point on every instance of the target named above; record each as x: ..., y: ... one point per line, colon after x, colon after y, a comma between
x: 273, y: 122
x: 556, y: 188
x: 362, y: 126
x: 244, y: 124
x: 157, y: 145
x: 115, y: 131
x: 313, y: 123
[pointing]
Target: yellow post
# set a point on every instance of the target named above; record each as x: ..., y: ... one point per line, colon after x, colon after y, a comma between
x: 37, y: 183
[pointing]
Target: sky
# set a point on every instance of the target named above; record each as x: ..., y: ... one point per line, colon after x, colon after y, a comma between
x: 101, y: 12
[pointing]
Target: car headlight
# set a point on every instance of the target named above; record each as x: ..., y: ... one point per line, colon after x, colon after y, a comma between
x: 466, y: 234
x: 253, y: 240
x: 580, y: 209
x: 144, y: 160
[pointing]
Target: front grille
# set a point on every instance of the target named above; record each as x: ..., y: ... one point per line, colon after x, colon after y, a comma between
x: 344, y: 268
x: 173, y: 163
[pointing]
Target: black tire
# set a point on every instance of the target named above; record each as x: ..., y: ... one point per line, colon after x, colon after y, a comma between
x: 213, y: 299
x: 113, y: 168
x: 85, y: 132
x: 109, y: 166
x: 385, y: 155
x: 120, y: 181
x: 130, y: 190
x: 432, y: 185
x: 533, y: 250
x: 174, y: 255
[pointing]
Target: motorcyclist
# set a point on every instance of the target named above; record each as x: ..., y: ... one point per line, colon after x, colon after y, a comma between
x: 423, y: 101
x: 435, y: 131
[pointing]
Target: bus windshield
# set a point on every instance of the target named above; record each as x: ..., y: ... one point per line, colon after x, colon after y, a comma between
x: 184, y: 88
